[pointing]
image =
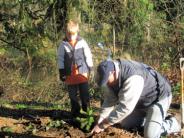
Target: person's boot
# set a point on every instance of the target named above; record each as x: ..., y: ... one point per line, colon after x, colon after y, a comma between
x: 75, y: 114
x: 171, y: 125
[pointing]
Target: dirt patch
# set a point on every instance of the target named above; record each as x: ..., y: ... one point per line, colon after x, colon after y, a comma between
x: 29, y: 123
x: 114, y: 132
x: 39, y: 123
x: 20, y: 128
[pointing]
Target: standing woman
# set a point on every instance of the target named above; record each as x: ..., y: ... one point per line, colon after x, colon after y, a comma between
x: 75, y: 64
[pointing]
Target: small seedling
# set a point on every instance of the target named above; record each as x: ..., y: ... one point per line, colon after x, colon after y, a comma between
x: 86, y: 123
x: 55, y: 124
x: 6, y: 129
x: 31, y: 128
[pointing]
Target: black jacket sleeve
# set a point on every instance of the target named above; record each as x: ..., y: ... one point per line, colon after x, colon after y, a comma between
x: 62, y: 74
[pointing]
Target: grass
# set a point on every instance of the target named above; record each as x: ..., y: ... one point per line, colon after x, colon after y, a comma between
x: 26, y: 106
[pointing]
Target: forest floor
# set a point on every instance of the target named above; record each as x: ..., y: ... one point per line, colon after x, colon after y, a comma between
x: 38, y: 123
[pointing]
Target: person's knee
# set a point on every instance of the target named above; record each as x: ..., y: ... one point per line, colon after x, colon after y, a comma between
x: 152, y: 130
x: 154, y: 119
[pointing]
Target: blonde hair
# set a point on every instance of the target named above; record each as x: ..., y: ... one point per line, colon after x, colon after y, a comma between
x: 72, y: 27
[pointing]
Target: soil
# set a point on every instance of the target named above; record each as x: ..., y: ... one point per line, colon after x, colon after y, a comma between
x: 27, y: 123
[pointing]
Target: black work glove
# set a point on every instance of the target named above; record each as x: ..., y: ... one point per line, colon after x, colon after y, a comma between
x: 62, y: 75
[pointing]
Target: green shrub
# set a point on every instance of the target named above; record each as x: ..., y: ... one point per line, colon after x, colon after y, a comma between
x: 176, y: 89
x: 55, y: 124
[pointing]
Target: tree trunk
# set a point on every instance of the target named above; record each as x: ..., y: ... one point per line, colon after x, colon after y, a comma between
x: 55, y: 35
x: 148, y: 36
x: 126, y: 28
x: 30, y: 65
x: 114, y: 40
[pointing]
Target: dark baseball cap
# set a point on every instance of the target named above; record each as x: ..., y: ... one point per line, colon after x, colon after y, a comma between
x: 104, y: 69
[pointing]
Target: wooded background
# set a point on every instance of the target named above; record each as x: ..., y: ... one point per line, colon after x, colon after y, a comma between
x: 150, y: 31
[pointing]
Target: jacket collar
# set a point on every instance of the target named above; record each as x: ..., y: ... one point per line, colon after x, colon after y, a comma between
x: 118, y: 69
x: 78, y: 38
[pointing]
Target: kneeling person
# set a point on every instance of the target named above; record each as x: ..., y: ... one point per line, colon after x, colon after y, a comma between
x: 135, y: 95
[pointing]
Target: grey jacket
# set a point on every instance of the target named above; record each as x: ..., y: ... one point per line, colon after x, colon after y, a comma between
x: 79, y: 55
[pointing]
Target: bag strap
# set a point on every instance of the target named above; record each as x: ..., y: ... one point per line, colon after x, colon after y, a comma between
x: 154, y: 74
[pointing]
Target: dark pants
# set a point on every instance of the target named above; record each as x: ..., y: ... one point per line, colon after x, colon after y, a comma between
x: 84, y: 96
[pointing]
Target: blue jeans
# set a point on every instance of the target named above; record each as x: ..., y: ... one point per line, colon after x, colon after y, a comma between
x: 152, y: 119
